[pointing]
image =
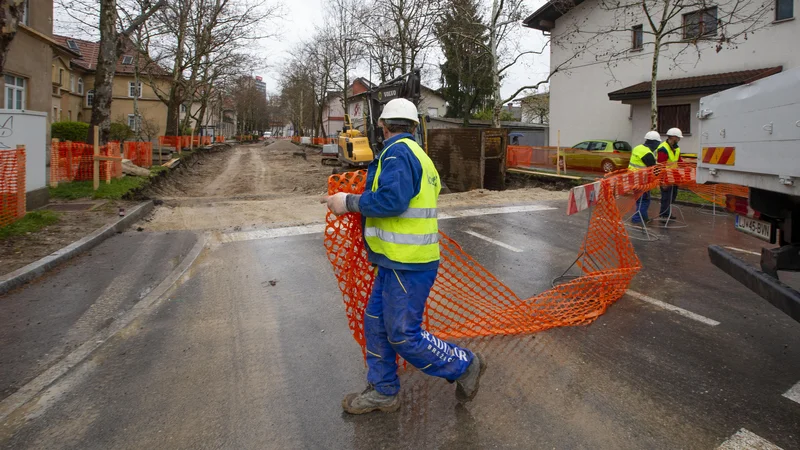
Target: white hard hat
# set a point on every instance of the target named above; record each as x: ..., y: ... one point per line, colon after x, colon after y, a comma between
x: 400, y: 108
x: 675, y: 132
x: 652, y: 136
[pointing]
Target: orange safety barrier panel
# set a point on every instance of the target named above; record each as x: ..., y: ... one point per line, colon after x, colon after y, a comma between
x: 468, y: 301
x: 12, y: 185
x: 219, y: 139
x: 140, y: 153
x: 171, y: 141
x: 518, y: 155
x: 74, y: 161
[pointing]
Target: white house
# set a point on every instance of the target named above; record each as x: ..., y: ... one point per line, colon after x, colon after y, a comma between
x: 602, y: 87
x: 431, y: 104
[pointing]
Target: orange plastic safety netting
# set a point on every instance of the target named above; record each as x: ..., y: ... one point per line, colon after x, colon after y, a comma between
x: 74, y: 161
x: 12, y: 185
x: 140, y: 153
x: 467, y: 300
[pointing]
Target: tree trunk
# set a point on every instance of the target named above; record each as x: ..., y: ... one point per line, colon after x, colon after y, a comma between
x: 104, y: 75
x: 10, y: 14
x: 175, y: 100
x: 498, y: 101
x: 653, y: 86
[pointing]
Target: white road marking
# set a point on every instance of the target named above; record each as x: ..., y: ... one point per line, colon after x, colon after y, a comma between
x: 747, y: 440
x: 496, y: 210
x: 493, y: 241
x: 271, y: 233
x: 673, y: 308
x: 743, y: 251
x: 793, y: 393
x: 319, y: 228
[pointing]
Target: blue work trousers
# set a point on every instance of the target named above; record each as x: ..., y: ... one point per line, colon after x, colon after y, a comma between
x: 642, y: 204
x: 668, y: 196
x: 393, y: 326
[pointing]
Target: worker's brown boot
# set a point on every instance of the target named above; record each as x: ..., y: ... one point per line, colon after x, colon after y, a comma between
x: 467, y: 384
x: 370, y: 400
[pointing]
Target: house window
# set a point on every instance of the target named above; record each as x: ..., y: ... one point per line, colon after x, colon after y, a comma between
x: 638, y: 37
x: 61, y: 77
x: 80, y: 86
x: 133, y: 91
x: 674, y: 116
x: 134, y: 121
x: 183, y: 108
x: 71, y: 83
x: 25, y: 18
x: 15, y: 92
x: 90, y: 97
x: 127, y: 60
x: 54, y: 117
x: 69, y: 115
x: 72, y: 45
x: 433, y: 112
x: 700, y: 24
x: 784, y: 9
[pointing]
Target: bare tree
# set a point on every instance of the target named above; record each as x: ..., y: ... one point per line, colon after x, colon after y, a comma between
x: 679, y: 31
x: 206, y: 42
x: 10, y: 14
x: 398, y: 33
x: 111, y: 44
x: 536, y: 108
x: 298, y: 99
x: 341, y: 34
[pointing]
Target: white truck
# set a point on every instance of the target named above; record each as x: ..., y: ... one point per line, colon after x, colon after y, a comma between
x: 751, y: 133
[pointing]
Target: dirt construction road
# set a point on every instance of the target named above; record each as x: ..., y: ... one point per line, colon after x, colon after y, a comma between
x: 275, y: 185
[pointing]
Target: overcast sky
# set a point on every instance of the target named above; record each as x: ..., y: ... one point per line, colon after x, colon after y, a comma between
x: 302, y: 16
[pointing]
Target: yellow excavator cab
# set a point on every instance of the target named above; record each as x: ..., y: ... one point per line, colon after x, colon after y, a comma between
x: 354, y: 148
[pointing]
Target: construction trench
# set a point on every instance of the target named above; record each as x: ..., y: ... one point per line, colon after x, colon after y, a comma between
x: 278, y: 184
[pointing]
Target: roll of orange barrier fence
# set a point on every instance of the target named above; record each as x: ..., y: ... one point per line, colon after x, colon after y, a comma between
x: 468, y: 301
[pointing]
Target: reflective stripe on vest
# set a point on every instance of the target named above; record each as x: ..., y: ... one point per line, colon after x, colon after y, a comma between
x: 672, y: 155
x: 637, y: 155
x: 413, y: 236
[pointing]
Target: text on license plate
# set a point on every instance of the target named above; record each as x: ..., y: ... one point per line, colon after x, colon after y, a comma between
x: 758, y: 228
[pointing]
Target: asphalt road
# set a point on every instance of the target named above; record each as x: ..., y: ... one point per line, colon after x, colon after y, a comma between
x: 226, y: 359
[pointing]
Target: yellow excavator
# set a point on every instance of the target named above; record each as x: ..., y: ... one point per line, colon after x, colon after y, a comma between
x: 357, y: 149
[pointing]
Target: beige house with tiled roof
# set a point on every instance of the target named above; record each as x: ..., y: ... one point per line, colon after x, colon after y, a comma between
x: 73, y: 83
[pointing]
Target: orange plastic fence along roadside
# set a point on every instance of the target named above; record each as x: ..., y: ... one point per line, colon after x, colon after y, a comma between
x: 73, y: 161
x: 12, y: 186
x: 467, y: 300
x: 140, y: 153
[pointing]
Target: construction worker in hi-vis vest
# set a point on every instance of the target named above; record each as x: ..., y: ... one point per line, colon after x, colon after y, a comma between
x: 401, y: 231
x: 669, y: 152
x: 644, y: 156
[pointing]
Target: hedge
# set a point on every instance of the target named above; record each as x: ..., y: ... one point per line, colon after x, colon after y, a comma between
x: 70, y: 131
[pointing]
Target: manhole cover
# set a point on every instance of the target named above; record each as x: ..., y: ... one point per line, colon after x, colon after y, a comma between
x: 71, y: 206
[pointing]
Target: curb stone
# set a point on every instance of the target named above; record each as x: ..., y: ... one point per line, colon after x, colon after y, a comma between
x: 38, y: 268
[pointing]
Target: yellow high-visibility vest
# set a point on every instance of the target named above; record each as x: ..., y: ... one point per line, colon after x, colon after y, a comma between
x: 637, y: 155
x: 672, y: 155
x: 411, y: 237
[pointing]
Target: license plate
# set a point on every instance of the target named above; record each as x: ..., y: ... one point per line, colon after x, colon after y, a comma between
x: 758, y: 228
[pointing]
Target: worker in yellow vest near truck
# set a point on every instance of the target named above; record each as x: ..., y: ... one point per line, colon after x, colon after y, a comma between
x: 398, y: 210
x: 644, y: 156
x: 669, y: 152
